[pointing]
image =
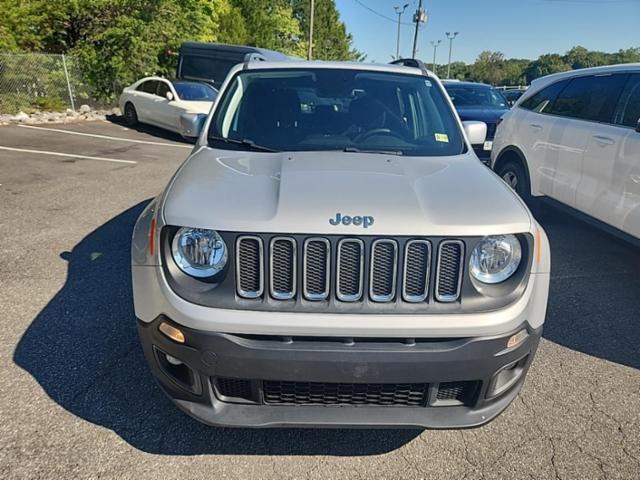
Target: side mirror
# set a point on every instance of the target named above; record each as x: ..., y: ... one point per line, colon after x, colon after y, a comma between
x: 475, y: 131
x: 169, y: 96
x: 191, y: 124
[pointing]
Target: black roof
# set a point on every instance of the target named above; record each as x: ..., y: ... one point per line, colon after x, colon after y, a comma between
x: 239, y: 49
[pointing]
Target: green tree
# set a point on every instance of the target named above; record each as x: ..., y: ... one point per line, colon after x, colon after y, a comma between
x: 488, y: 67
x: 331, y: 41
x: 630, y: 55
x: 271, y: 24
x: 545, y: 65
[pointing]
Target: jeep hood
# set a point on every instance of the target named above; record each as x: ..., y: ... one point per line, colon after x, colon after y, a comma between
x: 298, y: 192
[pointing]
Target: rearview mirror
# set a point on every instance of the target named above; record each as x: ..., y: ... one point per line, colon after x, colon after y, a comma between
x: 169, y: 96
x: 475, y: 131
x: 191, y: 124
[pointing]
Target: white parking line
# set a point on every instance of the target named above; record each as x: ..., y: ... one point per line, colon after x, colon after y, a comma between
x: 107, y: 137
x: 71, y: 155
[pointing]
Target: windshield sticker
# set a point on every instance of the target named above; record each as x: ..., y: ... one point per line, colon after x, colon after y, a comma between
x: 442, y: 137
x: 427, y: 83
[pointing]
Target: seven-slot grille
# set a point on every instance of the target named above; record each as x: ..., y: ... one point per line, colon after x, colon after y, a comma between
x: 348, y: 270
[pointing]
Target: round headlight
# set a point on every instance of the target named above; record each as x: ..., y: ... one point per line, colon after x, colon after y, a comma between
x: 495, y: 258
x: 199, y: 252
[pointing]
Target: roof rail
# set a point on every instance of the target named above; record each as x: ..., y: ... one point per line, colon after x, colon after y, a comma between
x: 411, y: 62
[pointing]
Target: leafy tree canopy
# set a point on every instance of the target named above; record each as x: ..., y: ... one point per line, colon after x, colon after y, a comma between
x: 494, y: 68
x: 118, y: 41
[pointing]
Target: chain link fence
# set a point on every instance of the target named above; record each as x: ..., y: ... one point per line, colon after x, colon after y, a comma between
x: 38, y: 81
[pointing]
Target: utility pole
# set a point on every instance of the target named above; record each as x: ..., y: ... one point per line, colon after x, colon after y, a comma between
x: 435, y: 47
x: 310, y: 53
x: 450, y: 36
x: 419, y: 17
x: 399, y: 12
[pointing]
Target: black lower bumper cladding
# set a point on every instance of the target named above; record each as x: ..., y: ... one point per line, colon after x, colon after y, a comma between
x: 273, y: 381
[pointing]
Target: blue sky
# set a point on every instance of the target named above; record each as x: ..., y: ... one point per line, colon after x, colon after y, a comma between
x: 518, y: 28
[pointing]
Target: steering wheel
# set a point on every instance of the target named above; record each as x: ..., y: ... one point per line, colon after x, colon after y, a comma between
x: 376, y: 131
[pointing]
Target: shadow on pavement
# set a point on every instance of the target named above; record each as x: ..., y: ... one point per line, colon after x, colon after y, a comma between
x: 83, y: 350
x: 149, y: 130
x: 594, y: 301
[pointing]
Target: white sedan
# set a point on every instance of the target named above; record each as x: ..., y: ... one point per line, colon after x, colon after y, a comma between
x: 161, y: 102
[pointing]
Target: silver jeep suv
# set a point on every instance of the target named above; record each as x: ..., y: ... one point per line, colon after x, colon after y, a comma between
x: 332, y: 253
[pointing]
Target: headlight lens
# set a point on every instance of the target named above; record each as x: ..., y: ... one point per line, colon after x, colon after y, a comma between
x: 495, y: 258
x: 199, y: 252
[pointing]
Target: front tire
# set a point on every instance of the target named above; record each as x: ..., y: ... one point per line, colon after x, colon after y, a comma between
x: 514, y: 175
x: 130, y: 114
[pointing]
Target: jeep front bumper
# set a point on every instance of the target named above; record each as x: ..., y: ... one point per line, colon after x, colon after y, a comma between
x: 273, y: 381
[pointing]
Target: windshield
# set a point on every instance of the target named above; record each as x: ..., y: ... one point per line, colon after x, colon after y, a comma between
x: 335, y: 109
x: 475, y: 96
x: 196, y: 92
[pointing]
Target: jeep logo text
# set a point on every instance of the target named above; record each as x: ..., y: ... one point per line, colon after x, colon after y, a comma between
x: 358, y: 221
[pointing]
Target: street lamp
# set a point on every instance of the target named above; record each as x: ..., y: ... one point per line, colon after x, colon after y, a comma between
x: 450, y: 36
x: 435, y: 47
x: 399, y: 12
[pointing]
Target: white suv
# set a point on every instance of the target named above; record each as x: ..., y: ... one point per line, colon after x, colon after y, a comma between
x: 333, y: 253
x: 575, y: 137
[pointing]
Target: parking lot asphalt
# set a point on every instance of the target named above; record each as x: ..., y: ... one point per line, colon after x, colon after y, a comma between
x: 77, y: 399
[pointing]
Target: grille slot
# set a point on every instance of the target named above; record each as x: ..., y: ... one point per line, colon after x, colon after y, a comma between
x: 316, y: 393
x: 449, y: 272
x: 316, y: 268
x: 350, y: 270
x: 384, y: 269
x: 249, y: 267
x: 282, y: 268
x: 417, y: 263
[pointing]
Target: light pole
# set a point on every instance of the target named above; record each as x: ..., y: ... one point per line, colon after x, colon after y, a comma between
x: 310, y: 53
x: 450, y: 36
x: 399, y: 12
x: 419, y: 17
x: 435, y: 47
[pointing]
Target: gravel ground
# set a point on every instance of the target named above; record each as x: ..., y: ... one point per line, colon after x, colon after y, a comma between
x: 77, y: 400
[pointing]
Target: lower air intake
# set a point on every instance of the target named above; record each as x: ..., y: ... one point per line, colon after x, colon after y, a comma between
x: 316, y: 393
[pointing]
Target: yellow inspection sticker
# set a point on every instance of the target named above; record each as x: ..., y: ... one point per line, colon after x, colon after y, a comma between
x: 442, y: 137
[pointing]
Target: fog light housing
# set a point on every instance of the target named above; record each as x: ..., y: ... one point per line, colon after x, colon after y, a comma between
x: 506, y: 377
x: 177, y: 371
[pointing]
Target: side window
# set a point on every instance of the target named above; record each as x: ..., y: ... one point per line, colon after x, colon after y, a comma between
x: 590, y: 98
x: 541, y: 102
x: 163, y: 88
x: 629, y: 107
x: 148, y: 87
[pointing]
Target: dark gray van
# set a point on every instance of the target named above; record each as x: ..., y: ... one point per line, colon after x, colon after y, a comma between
x: 211, y: 62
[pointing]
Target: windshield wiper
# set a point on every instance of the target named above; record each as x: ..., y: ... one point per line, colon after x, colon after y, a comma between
x: 245, y: 142
x: 364, y: 150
